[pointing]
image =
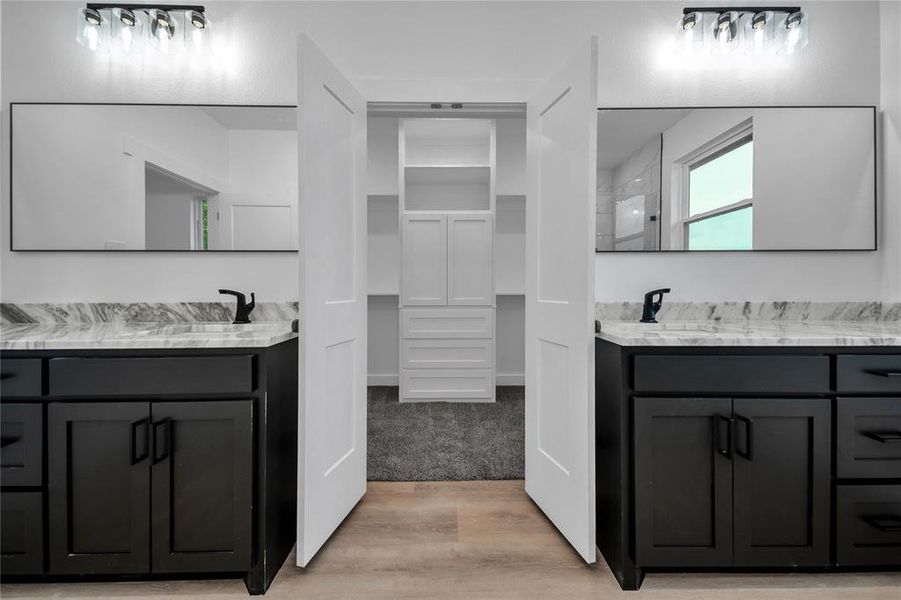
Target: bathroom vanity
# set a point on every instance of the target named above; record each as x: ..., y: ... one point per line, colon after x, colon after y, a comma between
x: 748, y: 446
x: 148, y: 450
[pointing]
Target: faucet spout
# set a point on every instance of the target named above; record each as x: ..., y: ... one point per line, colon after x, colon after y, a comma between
x: 243, y: 309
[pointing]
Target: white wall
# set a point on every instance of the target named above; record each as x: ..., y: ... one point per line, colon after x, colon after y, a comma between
x: 426, y: 51
x: 891, y: 148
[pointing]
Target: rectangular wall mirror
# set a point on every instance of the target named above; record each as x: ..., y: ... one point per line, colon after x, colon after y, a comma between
x: 153, y: 177
x: 736, y: 179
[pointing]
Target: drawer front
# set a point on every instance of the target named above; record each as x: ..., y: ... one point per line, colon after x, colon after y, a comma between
x: 447, y: 384
x: 447, y: 323
x: 726, y: 374
x: 868, y: 373
x: 21, y: 444
x: 20, y: 377
x: 151, y: 376
x: 447, y: 354
x: 21, y: 533
x: 868, y: 525
x: 868, y: 437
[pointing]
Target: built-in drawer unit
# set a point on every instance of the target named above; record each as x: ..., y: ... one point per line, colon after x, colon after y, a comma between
x: 444, y: 384
x: 868, y: 525
x: 20, y: 377
x: 151, y: 376
x: 21, y: 444
x: 21, y: 533
x: 447, y: 353
x: 868, y: 373
x: 671, y: 374
x: 868, y: 437
x: 440, y: 322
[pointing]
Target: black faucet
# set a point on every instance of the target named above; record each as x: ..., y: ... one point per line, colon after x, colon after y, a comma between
x: 243, y: 310
x: 651, y: 308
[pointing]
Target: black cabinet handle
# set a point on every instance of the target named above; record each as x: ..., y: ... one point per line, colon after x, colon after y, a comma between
x: 718, y: 435
x: 8, y: 440
x: 145, y: 447
x: 885, y: 372
x: 166, y: 426
x: 4, y: 376
x: 748, y: 452
x: 886, y: 437
x: 884, y: 523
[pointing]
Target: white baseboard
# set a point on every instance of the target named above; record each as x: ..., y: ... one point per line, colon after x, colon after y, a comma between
x: 510, y: 379
x: 383, y: 379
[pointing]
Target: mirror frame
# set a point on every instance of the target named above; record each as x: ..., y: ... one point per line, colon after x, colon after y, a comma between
x: 876, y: 166
x: 12, y: 247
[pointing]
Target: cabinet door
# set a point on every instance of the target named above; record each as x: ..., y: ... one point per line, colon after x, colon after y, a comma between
x: 99, y: 487
x: 782, y: 477
x: 202, y: 455
x: 424, y: 269
x: 470, y: 273
x: 683, y: 482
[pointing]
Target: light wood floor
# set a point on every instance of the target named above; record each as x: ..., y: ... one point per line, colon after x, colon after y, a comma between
x: 470, y: 540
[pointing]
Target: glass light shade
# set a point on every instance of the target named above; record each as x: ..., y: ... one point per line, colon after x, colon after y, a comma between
x: 90, y: 34
x: 726, y: 33
x: 166, y: 30
x: 690, y: 33
x: 758, y: 32
x: 197, y: 39
x: 792, y: 32
x: 128, y: 38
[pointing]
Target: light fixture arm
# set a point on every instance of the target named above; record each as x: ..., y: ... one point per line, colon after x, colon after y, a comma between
x: 741, y: 9
x: 145, y: 7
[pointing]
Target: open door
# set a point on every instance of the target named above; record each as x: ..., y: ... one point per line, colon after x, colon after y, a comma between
x: 332, y: 371
x: 560, y: 223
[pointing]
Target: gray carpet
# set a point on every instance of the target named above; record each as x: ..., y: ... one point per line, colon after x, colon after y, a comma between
x: 445, y: 441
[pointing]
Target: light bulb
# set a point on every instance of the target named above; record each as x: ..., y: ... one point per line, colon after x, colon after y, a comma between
x: 92, y: 37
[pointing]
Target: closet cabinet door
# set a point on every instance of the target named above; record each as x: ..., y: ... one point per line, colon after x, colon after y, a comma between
x: 782, y: 482
x: 470, y: 260
x: 424, y: 250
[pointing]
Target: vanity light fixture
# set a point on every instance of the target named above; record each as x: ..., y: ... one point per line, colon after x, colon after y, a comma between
x: 130, y: 27
x: 743, y: 29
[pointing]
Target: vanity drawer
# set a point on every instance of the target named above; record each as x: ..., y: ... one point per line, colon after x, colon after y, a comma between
x: 151, y: 376
x: 447, y: 323
x: 20, y: 377
x: 868, y: 437
x: 21, y: 444
x: 447, y: 353
x: 21, y: 533
x: 868, y: 525
x: 728, y: 374
x: 447, y: 384
x: 868, y: 373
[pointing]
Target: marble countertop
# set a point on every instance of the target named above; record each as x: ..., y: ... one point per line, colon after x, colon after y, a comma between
x: 752, y: 333
x: 114, y: 336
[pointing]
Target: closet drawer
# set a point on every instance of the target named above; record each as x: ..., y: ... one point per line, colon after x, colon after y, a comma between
x: 21, y: 533
x: 447, y: 354
x: 868, y: 437
x: 151, y: 376
x: 20, y: 377
x: 868, y: 373
x: 447, y: 323
x: 868, y: 525
x: 725, y: 374
x: 447, y: 384
x: 21, y: 444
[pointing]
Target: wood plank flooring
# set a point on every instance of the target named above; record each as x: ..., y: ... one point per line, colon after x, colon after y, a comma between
x: 470, y: 540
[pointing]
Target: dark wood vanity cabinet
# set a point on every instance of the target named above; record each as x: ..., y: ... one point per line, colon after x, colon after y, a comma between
x: 155, y: 476
x: 723, y: 458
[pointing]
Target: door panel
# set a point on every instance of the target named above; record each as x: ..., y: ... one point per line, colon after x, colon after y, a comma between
x: 202, y: 480
x: 99, y: 487
x: 782, y: 473
x: 332, y: 351
x: 470, y: 273
x: 683, y: 482
x: 424, y: 251
x: 560, y: 211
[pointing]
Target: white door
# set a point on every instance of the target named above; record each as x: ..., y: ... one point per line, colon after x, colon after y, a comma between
x: 424, y: 257
x: 470, y: 273
x: 259, y: 221
x: 560, y: 209
x: 332, y: 370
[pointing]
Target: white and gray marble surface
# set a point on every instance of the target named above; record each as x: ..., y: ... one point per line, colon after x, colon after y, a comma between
x: 752, y: 333
x: 754, y: 311
x: 119, y: 335
x: 142, y: 312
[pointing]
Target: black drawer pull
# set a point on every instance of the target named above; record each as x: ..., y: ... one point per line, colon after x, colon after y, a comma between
x: 748, y: 452
x: 719, y: 425
x: 4, y: 376
x: 145, y: 447
x: 8, y: 440
x: 166, y: 425
x: 886, y: 437
x: 884, y: 523
x: 885, y: 372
